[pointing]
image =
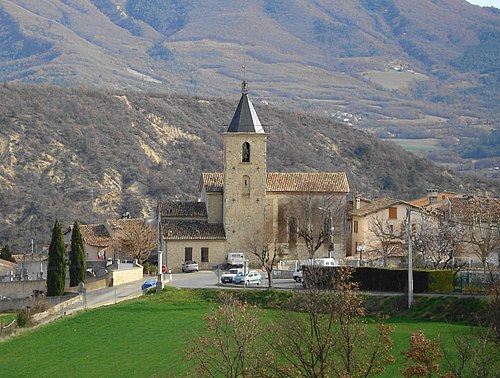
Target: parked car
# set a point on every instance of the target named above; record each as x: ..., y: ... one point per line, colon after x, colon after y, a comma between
x: 147, y: 284
x: 229, y: 276
x: 252, y: 277
x: 298, y: 275
x: 190, y: 266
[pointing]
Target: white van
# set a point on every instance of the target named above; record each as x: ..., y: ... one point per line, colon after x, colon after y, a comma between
x: 236, y: 259
x: 298, y: 275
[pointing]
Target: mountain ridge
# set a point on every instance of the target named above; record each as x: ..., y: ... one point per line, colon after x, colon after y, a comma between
x: 88, y: 155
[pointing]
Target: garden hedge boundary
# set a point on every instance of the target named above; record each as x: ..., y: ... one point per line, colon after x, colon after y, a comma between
x: 383, y: 279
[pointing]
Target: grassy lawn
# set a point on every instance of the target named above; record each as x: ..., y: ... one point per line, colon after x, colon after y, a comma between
x: 7, y: 318
x: 144, y: 337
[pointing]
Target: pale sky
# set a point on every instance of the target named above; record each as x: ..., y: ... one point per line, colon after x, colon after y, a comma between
x: 486, y: 3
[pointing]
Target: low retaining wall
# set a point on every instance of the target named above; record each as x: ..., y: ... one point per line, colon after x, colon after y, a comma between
x: 51, y: 302
x: 21, y: 289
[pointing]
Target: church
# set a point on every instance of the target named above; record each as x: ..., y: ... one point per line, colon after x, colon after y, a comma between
x: 247, y: 209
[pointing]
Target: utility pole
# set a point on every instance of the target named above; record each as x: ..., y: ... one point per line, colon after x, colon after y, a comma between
x: 410, y: 258
x: 159, y: 282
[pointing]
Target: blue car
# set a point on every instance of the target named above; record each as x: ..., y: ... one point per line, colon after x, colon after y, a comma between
x: 148, y: 284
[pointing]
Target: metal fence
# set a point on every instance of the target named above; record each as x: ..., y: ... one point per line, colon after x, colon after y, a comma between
x: 475, y: 282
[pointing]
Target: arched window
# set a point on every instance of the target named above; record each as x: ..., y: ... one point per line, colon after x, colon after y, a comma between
x: 245, y: 152
x: 246, y: 185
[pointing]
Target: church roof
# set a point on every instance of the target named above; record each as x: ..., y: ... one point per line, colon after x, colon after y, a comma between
x: 287, y: 182
x: 245, y: 119
x: 183, y: 209
x: 192, y: 230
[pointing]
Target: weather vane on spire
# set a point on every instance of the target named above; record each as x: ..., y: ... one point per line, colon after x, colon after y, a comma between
x: 244, y: 84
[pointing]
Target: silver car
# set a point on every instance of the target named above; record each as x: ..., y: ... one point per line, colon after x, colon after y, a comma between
x: 190, y: 266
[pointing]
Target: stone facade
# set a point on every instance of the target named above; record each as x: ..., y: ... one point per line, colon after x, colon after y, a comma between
x: 245, y: 208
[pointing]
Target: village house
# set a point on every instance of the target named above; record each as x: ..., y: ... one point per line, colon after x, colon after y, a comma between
x: 480, y: 219
x: 245, y: 208
x: 378, y: 230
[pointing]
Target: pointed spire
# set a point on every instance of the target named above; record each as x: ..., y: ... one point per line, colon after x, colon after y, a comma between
x: 245, y: 119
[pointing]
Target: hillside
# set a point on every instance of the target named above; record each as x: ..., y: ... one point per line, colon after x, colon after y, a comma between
x: 398, y: 68
x: 77, y: 153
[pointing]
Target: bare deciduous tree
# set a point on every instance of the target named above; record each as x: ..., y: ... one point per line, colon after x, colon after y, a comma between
x: 389, y: 239
x: 309, y: 216
x: 484, y: 233
x: 438, y: 242
x: 231, y: 343
x: 136, y: 238
x: 267, y: 255
x: 329, y: 337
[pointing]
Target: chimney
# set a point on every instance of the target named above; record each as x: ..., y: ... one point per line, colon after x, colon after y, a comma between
x: 357, y: 201
x: 432, y: 196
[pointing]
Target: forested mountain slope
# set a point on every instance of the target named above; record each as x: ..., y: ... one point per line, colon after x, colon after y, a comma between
x: 398, y: 68
x: 82, y: 154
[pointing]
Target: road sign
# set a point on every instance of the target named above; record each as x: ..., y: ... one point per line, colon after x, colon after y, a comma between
x: 264, y: 269
x: 164, y: 269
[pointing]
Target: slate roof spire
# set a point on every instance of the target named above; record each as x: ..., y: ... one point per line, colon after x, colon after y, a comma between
x: 245, y: 119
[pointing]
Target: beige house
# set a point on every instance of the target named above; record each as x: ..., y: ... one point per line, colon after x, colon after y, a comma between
x: 245, y: 208
x: 480, y: 219
x: 108, y: 240
x: 378, y: 230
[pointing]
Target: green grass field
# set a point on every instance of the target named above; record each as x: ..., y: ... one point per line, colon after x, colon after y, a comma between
x: 7, y: 318
x: 144, y: 337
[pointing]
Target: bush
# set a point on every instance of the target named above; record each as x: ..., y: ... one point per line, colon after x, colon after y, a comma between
x: 440, y: 281
x: 23, y: 317
x: 385, y: 279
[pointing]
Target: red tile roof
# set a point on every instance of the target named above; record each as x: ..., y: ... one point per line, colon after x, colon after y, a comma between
x: 288, y: 182
x: 95, y: 235
x: 484, y: 209
x: 378, y: 205
x: 194, y: 230
x: 424, y: 201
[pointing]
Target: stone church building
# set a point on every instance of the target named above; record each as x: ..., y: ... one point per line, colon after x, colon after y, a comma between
x: 246, y: 208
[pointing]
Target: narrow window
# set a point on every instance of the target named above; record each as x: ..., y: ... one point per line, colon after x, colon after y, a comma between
x: 246, y: 185
x: 391, y: 229
x: 292, y: 230
x: 245, y: 152
x: 393, y: 213
x: 355, y: 227
x: 204, y: 254
x: 188, y: 253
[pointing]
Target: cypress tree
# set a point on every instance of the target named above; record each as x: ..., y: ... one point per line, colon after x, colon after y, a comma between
x: 56, y: 270
x: 6, y: 254
x: 77, y: 265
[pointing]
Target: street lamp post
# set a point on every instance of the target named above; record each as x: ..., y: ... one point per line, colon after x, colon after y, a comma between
x: 410, y: 259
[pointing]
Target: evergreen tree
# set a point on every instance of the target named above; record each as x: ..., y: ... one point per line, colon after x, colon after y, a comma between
x: 6, y: 254
x: 77, y: 265
x: 56, y: 270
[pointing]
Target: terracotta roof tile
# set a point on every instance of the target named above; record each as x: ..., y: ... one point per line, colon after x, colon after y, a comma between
x: 120, y: 224
x: 424, y: 201
x: 183, y: 209
x: 8, y: 264
x: 95, y: 235
x: 288, y: 182
x: 194, y: 230
x: 212, y: 182
x: 307, y: 182
x: 377, y: 205
x: 463, y: 209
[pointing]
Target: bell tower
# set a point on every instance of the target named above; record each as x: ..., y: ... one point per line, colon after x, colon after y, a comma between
x: 245, y: 171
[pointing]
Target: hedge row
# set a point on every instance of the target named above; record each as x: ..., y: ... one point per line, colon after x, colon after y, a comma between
x: 383, y: 279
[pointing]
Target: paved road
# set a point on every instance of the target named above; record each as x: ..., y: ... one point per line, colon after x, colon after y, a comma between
x: 209, y: 279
